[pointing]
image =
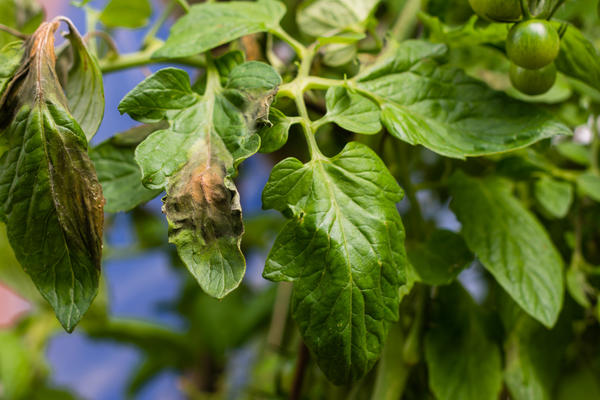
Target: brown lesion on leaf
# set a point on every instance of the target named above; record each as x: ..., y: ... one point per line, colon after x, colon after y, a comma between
x: 202, y: 200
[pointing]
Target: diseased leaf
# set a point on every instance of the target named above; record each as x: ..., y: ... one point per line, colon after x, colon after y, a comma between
x: 443, y: 109
x: 50, y: 197
x: 463, y: 362
x: 126, y: 13
x: 579, y: 58
x: 440, y: 259
x: 81, y: 79
x: 555, y: 197
x: 195, y: 158
x: 510, y: 243
x: 343, y: 248
x: 118, y: 171
x: 352, y: 111
x: 209, y: 25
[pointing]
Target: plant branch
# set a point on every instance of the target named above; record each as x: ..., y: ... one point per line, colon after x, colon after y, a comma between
x: 407, y: 20
x: 13, y: 32
x: 301, y: 364
x: 144, y: 57
x: 298, y: 47
x: 556, y: 7
x: 151, y: 34
x: 525, y: 9
x: 184, y: 4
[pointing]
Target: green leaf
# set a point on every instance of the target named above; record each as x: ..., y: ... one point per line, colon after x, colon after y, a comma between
x: 510, y: 243
x: 126, y: 13
x: 16, y: 367
x: 351, y: 111
x: 575, y: 152
x: 534, y: 357
x: 23, y: 15
x: 119, y: 174
x: 81, y: 79
x: 343, y: 248
x: 577, y: 283
x: 450, y: 113
x: 579, y: 58
x: 50, y: 197
x: 555, y: 197
x: 440, y: 259
x: 326, y: 17
x: 10, y: 59
x: 209, y: 25
x: 589, y: 185
x: 196, y: 157
x: 468, y: 34
x: 463, y: 362
x: 274, y: 135
x: 329, y: 18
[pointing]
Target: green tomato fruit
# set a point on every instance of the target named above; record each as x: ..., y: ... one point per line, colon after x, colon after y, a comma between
x: 497, y: 10
x: 533, y: 44
x: 533, y: 81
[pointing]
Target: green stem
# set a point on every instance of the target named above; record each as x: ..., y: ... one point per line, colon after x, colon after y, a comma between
x: 144, y: 57
x: 525, y: 9
x: 298, y: 47
x: 151, y: 35
x: 184, y: 4
x: 407, y: 21
x: 555, y: 9
x: 595, y: 145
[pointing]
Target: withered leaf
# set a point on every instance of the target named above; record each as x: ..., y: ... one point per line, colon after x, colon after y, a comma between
x: 196, y: 158
x: 50, y: 197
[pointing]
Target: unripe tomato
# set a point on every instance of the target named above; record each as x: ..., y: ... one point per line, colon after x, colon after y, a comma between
x: 533, y: 81
x: 533, y: 44
x: 497, y: 10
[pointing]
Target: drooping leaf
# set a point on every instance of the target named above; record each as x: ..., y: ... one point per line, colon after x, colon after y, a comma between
x: 450, y: 113
x: 555, y: 197
x: 50, y: 197
x: 195, y: 158
x: 579, y: 58
x: 81, y: 79
x: 352, y: 111
x: 119, y: 174
x: 343, y: 249
x: 463, y: 362
x: 510, y: 243
x: 209, y: 25
x: 274, y: 135
x: 440, y: 259
x: 126, y: 13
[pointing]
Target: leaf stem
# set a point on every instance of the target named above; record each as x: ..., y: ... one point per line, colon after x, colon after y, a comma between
x: 301, y: 364
x: 595, y: 145
x: 525, y: 9
x: 298, y: 47
x: 184, y: 4
x: 13, y: 32
x: 407, y: 20
x: 144, y: 57
x: 151, y: 34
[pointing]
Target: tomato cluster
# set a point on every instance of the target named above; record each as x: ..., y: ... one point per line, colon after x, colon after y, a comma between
x: 532, y: 45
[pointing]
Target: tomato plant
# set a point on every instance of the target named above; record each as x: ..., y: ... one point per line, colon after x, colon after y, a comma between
x: 435, y: 234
